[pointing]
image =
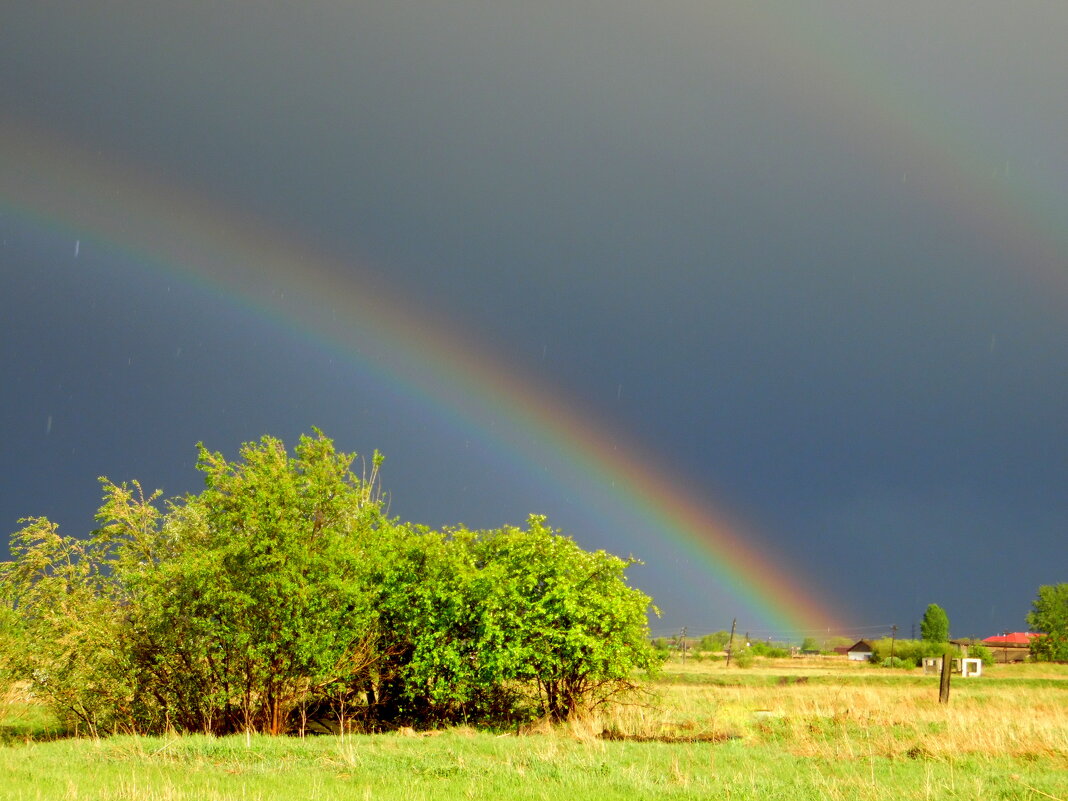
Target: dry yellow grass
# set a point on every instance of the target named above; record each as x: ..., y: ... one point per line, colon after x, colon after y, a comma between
x: 838, y: 710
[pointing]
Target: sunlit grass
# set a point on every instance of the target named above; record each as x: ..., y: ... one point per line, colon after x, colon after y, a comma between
x: 780, y: 729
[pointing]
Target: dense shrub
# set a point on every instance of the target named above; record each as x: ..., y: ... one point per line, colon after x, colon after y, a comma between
x: 980, y: 651
x: 282, y: 593
x: 772, y: 650
x: 744, y: 658
x: 911, y: 651
x: 716, y: 641
x: 545, y: 625
x: 896, y: 662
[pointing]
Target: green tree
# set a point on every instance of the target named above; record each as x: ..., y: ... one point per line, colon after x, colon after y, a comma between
x: 480, y: 622
x: 563, y: 618
x: 716, y: 641
x: 935, y: 624
x: 224, y: 614
x: 281, y: 591
x: 265, y: 600
x: 1049, y: 615
x: 65, y: 627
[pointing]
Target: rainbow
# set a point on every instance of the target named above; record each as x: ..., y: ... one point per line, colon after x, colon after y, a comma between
x: 180, y: 234
x: 247, y: 264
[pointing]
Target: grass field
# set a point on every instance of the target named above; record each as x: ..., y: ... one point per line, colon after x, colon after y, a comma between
x: 783, y: 729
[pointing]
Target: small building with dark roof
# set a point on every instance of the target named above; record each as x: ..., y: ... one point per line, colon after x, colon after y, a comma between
x: 860, y: 651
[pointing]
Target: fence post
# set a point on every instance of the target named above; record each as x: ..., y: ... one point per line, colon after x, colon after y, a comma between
x: 730, y: 645
x: 943, y: 684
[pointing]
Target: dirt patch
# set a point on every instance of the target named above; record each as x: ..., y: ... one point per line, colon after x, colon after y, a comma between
x: 669, y: 737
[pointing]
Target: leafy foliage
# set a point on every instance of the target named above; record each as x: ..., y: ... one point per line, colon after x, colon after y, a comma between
x: 935, y: 624
x: 716, y: 641
x: 221, y: 615
x: 979, y: 651
x: 1049, y: 615
x: 63, y: 622
x: 744, y: 658
x: 773, y: 650
x: 498, y: 621
x: 909, y: 651
x: 282, y: 593
x: 897, y: 662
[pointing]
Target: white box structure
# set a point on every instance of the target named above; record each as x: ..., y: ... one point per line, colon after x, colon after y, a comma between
x: 969, y: 668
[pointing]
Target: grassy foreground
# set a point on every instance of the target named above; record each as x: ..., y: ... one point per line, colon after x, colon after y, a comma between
x: 788, y: 729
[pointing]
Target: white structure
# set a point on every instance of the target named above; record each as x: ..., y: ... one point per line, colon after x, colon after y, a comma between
x: 968, y: 668
x: 861, y: 651
x: 971, y: 667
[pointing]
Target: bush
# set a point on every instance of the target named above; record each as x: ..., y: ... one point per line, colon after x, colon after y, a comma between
x: 744, y: 658
x: 911, y: 651
x: 224, y: 614
x: 467, y: 611
x: 716, y: 641
x: 282, y: 592
x: 771, y: 650
x: 980, y: 651
x: 895, y: 662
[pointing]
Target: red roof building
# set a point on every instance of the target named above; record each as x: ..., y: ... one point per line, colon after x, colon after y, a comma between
x: 1015, y: 638
x: 1014, y: 647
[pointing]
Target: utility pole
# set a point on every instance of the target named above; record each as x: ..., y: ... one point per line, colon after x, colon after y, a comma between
x: 893, y: 636
x: 682, y: 644
x: 730, y: 645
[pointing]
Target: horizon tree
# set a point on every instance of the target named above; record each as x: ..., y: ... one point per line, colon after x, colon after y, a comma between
x: 935, y: 624
x: 1049, y: 615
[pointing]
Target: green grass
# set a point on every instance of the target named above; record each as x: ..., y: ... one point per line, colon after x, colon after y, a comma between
x: 481, y: 765
x: 843, y: 734
x: 23, y: 720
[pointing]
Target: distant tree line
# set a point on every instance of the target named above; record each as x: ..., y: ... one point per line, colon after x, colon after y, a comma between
x: 282, y: 595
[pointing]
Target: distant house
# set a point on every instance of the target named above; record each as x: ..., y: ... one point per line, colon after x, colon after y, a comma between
x: 1012, y: 647
x: 860, y: 651
x: 963, y: 644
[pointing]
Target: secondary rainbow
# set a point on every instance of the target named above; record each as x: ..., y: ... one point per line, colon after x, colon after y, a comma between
x: 909, y: 131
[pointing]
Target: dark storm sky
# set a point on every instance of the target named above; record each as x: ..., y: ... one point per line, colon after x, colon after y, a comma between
x: 810, y: 256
